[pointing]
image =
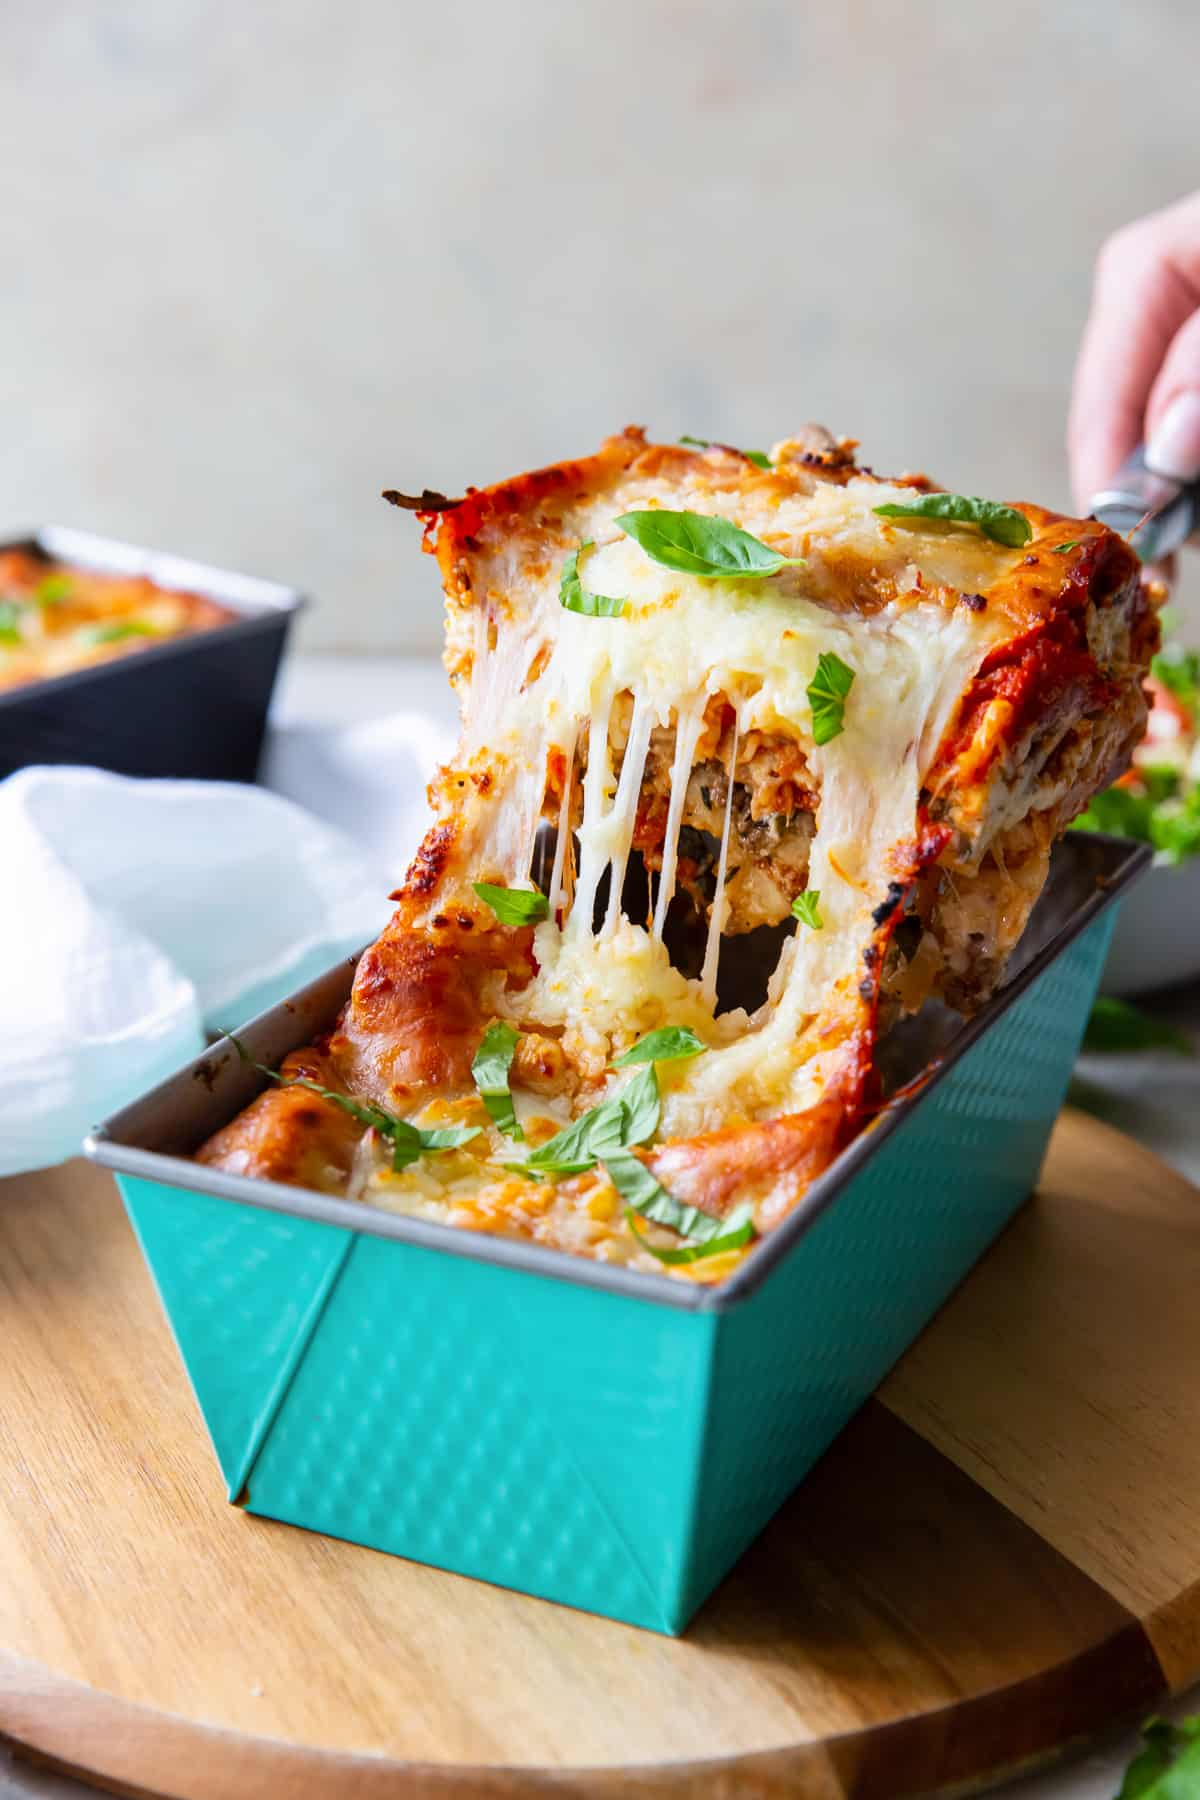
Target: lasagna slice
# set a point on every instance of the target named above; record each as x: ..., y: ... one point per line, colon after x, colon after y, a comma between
x: 712, y: 711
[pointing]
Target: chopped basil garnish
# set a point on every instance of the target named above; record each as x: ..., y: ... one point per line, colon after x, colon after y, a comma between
x: 118, y: 630
x: 490, y: 1067
x: 640, y: 1190
x: 667, y: 1045
x: 575, y: 597
x: 732, y: 1233
x: 10, y: 626
x: 630, y: 1117
x: 827, y: 693
x: 759, y: 458
x: 807, y: 908
x: 513, y: 906
x: 1061, y: 549
x: 411, y: 1142
x: 408, y: 1142
x: 1003, y: 524
x: 697, y: 544
x: 52, y: 589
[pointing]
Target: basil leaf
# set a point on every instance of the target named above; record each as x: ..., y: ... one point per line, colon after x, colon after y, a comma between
x: 362, y: 1110
x: 696, y: 544
x: 736, y: 1230
x: 641, y: 1102
x: 1114, y: 1025
x: 646, y: 1196
x: 575, y: 597
x: 117, y: 631
x: 639, y: 1189
x: 408, y: 1141
x: 445, y: 1137
x: 1003, y: 524
x: 630, y: 1117
x: 759, y: 458
x: 1168, y: 1768
x: 668, y: 1045
x: 411, y: 1142
x: 52, y: 589
x: 806, y: 908
x: 513, y: 906
x: 10, y: 623
x: 1061, y: 549
x: 490, y: 1067
x: 827, y: 693
x: 569, y: 1151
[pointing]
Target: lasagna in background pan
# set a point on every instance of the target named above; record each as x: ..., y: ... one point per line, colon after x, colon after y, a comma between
x: 710, y: 700
x: 56, y: 618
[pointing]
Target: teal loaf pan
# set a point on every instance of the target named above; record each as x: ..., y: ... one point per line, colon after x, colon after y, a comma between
x: 593, y: 1436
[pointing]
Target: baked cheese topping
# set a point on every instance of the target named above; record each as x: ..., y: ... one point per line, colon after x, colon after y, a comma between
x: 740, y: 748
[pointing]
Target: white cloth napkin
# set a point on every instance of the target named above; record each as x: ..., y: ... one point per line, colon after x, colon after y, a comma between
x: 132, y: 913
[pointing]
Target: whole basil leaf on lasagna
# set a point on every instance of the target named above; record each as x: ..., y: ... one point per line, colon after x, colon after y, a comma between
x: 1003, y: 524
x: 698, y: 544
x: 576, y: 598
x: 732, y: 1233
x: 827, y: 693
x: 759, y: 458
x: 669, y: 1044
x: 489, y: 1069
x: 513, y: 906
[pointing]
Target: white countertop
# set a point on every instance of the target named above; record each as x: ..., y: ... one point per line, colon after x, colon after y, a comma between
x: 1154, y: 1097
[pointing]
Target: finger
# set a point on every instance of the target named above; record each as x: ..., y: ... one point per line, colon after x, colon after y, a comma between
x: 1139, y: 301
x: 1173, y: 412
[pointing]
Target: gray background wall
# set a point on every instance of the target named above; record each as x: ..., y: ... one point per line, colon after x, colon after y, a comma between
x: 263, y: 259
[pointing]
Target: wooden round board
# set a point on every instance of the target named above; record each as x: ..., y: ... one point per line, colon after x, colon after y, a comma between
x: 999, y: 1556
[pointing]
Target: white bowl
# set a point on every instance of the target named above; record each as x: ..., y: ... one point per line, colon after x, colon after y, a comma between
x: 1156, y: 943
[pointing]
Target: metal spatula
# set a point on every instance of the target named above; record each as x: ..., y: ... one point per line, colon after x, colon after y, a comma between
x: 1156, y: 509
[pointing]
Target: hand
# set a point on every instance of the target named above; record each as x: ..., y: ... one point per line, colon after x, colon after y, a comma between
x: 1138, y: 372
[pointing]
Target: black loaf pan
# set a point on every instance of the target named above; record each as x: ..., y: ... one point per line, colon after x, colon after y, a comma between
x: 194, y: 706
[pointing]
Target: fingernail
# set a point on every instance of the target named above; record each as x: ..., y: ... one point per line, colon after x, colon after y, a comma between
x: 1174, y: 448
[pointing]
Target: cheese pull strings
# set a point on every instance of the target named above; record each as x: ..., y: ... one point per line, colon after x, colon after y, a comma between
x: 622, y: 818
x: 689, y: 723
x: 593, y: 855
x: 558, y: 893
x: 716, y: 917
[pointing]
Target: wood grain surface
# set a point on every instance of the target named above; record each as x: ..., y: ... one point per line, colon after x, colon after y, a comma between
x: 998, y: 1557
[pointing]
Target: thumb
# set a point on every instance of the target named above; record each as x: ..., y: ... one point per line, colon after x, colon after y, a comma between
x: 1173, y: 410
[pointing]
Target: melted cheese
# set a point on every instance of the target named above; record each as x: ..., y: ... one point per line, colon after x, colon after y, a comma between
x: 681, y: 640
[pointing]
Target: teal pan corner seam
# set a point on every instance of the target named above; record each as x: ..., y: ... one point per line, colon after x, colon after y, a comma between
x: 277, y: 1392
x: 662, y: 1621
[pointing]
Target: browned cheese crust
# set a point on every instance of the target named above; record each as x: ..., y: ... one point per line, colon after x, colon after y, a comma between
x: 1049, y: 716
